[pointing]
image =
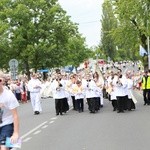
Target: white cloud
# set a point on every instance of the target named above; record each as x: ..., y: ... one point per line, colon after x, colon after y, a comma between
x: 88, y: 14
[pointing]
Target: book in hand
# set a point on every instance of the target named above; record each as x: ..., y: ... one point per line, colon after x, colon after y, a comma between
x: 13, y: 145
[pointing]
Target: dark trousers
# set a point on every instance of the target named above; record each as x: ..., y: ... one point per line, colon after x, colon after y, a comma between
x: 120, y: 103
x: 80, y: 104
x: 65, y: 105
x: 125, y: 102
x: 92, y: 104
x: 28, y: 95
x: 59, y: 106
x: 98, y: 103
x: 105, y: 94
x: 146, y: 95
x: 74, y: 102
x: 18, y: 96
x: 130, y: 104
x: 114, y: 104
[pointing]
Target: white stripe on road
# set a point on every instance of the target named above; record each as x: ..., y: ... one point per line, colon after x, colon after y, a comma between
x: 54, y: 118
x: 27, y: 139
x: 33, y: 130
x: 37, y: 132
x: 44, y: 126
x: 51, y: 122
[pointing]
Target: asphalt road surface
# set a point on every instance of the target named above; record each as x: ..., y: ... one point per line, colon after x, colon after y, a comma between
x: 105, y: 130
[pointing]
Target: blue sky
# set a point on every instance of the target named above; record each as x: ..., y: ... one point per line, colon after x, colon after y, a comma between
x: 87, y: 13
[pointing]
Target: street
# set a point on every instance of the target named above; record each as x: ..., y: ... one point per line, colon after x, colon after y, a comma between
x: 105, y: 130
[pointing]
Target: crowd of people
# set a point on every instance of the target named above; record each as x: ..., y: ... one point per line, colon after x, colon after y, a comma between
x: 88, y: 87
x: 80, y: 88
x: 114, y: 81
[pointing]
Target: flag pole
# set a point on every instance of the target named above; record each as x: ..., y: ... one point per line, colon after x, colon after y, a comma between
x: 148, y: 47
x: 148, y: 50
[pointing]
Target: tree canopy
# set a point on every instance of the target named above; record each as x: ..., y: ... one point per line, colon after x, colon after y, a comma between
x: 129, y: 27
x: 39, y: 34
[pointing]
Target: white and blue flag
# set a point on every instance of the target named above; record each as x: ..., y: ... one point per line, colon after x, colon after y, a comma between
x: 142, y: 51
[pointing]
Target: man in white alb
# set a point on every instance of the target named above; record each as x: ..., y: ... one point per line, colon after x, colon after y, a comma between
x: 34, y: 86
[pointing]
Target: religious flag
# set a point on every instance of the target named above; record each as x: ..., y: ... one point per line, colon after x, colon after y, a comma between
x: 142, y: 51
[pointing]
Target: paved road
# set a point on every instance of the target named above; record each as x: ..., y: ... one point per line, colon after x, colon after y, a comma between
x: 105, y: 130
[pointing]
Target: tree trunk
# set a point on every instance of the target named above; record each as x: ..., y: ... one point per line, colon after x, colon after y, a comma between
x: 27, y: 69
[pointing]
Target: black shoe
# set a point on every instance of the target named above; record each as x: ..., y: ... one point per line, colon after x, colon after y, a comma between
x: 114, y: 109
x: 57, y: 114
x: 61, y: 114
x: 120, y: 111
x: 36, y: 112
x: 93, y: 111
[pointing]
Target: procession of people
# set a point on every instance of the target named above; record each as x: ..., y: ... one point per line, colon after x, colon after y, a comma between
x: 88, y: 88
x: 85, y: 87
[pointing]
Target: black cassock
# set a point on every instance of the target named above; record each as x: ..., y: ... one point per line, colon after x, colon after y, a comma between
x: 61, y: 105
x: 93, y: 104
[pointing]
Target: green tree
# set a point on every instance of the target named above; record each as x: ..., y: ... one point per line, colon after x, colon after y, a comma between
x: 133, y: 29
x: 109, y: 22
x: 77, y: 50
x: 37, y: 33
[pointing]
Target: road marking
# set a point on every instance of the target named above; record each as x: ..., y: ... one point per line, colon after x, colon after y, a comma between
x: 44, y: 126
x: 33, y: 130
x: 51, y: 122
x: 37, y: 132
x: 27, y: 139
x: 54, y: 118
